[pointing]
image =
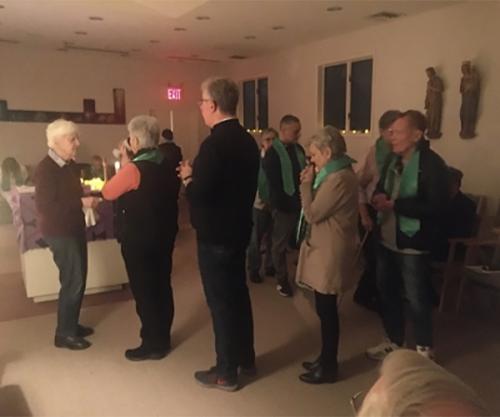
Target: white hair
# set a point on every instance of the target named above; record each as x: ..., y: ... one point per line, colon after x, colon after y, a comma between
x: 58, y: 129
x: 411, y: 385
x: 330, y: 137
x: 146, y: 129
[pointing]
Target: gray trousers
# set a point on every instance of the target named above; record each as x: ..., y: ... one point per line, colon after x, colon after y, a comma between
x: 70, y: 256
x: 283, y: 226
x: 262, y: 226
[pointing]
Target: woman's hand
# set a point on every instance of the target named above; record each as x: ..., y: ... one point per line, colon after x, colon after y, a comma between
x: 307, y: 174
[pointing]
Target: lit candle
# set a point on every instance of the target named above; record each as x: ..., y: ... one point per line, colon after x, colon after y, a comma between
x: 172, y: 120
x: 117, y: 166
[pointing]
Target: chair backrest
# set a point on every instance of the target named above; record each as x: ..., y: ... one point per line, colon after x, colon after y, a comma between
x: 481, y: 205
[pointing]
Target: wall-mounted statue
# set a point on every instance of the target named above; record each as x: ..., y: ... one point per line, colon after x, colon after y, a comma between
x: 469, y: 88
x: 434, y: 103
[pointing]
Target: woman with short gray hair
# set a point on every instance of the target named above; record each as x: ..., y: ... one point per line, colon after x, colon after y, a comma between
x: 146, y: 193
x: 329, y: 223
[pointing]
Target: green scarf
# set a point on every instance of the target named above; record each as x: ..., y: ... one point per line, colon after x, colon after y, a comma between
x: 334, y: 165
x: 382, y: 151
x: 153, y: 155
x: 286, y: 165
x: 408, y: 187
x: 263, y: 186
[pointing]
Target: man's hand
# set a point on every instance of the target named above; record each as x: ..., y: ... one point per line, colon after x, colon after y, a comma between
x: 366, y: 220
x: 381, y: 203
x: 185, y: 170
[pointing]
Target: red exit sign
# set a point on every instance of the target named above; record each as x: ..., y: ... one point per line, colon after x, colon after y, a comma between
x: 174, y: 93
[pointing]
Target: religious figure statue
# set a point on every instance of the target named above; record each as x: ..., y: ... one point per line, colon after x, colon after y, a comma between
x: 469, y: 88
x: 434, y: 103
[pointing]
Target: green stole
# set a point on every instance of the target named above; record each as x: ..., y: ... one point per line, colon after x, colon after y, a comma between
x: 382, y: 151
x: 286, y: 165
x: 332, y: 166
x: 408, y: 187
x: 153, y: 155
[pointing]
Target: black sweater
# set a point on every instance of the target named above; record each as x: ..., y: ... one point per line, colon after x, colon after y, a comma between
x: 222, y: 192
x: 429, y: 203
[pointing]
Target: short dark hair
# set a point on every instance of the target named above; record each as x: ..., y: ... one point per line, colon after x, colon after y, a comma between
x: 288, y: 119
x: 416, y: 118
x: 455, y: 175
x: 167, y: 134
x: 388, y: 118
x: 224, y: 92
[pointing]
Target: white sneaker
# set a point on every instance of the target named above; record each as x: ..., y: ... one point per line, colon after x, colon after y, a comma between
x: 380, y: 351
x: 426, y: 352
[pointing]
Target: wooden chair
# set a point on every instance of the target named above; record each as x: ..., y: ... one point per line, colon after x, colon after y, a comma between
x: 486, y: 274
x: 453, y: 265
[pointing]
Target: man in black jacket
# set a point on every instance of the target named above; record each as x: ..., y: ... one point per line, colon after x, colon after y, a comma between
x: 410, y: 196
x: 284, y: 161
x: 221, y: 189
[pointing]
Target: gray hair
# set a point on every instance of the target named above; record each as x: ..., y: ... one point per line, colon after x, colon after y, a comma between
x: 146, y: 129
x: 330, y: 137
x: 224, y: 92
x: 58, y: 129
x: 412, y: 385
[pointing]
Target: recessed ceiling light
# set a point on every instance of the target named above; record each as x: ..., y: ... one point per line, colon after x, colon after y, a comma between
x: 2, y: 6
x: 98, y: 18
x: 203, y: 17
x: 178, y: 29
x: 334, y: 9
x: 80, y: 32
x: 250, y: 37
x: 154, y: 41
x: 278, y: 27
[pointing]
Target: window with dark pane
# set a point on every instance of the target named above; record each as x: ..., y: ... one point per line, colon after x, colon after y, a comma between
x: 361, y: 95
x: 262, y: 104
x: 334, y: 98
x: 249, y: 104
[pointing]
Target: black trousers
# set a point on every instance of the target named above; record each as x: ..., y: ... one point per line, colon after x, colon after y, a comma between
x: 223, y: 276
x: 70, y: 256
x: 149, y: 269
x: 326, y: 309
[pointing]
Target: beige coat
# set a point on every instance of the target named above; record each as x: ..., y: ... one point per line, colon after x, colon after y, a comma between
x: 328, y: 263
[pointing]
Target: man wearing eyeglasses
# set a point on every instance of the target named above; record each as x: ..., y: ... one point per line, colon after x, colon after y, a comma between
x: 221, y: 189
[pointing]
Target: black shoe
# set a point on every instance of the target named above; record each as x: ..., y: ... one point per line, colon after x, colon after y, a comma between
x: 210, y: 379
x: 319, y: 376
x: 142, y: 353
x: 309, y: 366
x: 84, y: 331
x: 71, y: 342
x: 249, y: 371
x: 284, y: 290
x: 255, y: 277
x: 270, y: 272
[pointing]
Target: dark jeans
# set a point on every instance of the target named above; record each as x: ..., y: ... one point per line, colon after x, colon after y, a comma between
x: 283, y: 227
x: 70, y: 256
x: 326, y: 309
x: 262, y: 226
x: 222, y: 271
x: 401, y: 278
x: 149, y: 268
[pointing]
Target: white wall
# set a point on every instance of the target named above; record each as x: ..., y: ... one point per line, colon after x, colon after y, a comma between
x: 401, y: 51
x: 32, y: 79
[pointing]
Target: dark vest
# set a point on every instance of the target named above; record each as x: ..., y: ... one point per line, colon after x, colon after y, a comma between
x: 148, y: 215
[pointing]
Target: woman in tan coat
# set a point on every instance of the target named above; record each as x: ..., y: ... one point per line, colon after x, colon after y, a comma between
x: 327, y: 261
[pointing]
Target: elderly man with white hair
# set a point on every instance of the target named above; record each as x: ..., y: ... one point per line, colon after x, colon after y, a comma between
x: 59, y: 200
x: 146, y: 192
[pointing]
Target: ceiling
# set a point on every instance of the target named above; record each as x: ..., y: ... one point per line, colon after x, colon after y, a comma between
x: 190, y: 30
